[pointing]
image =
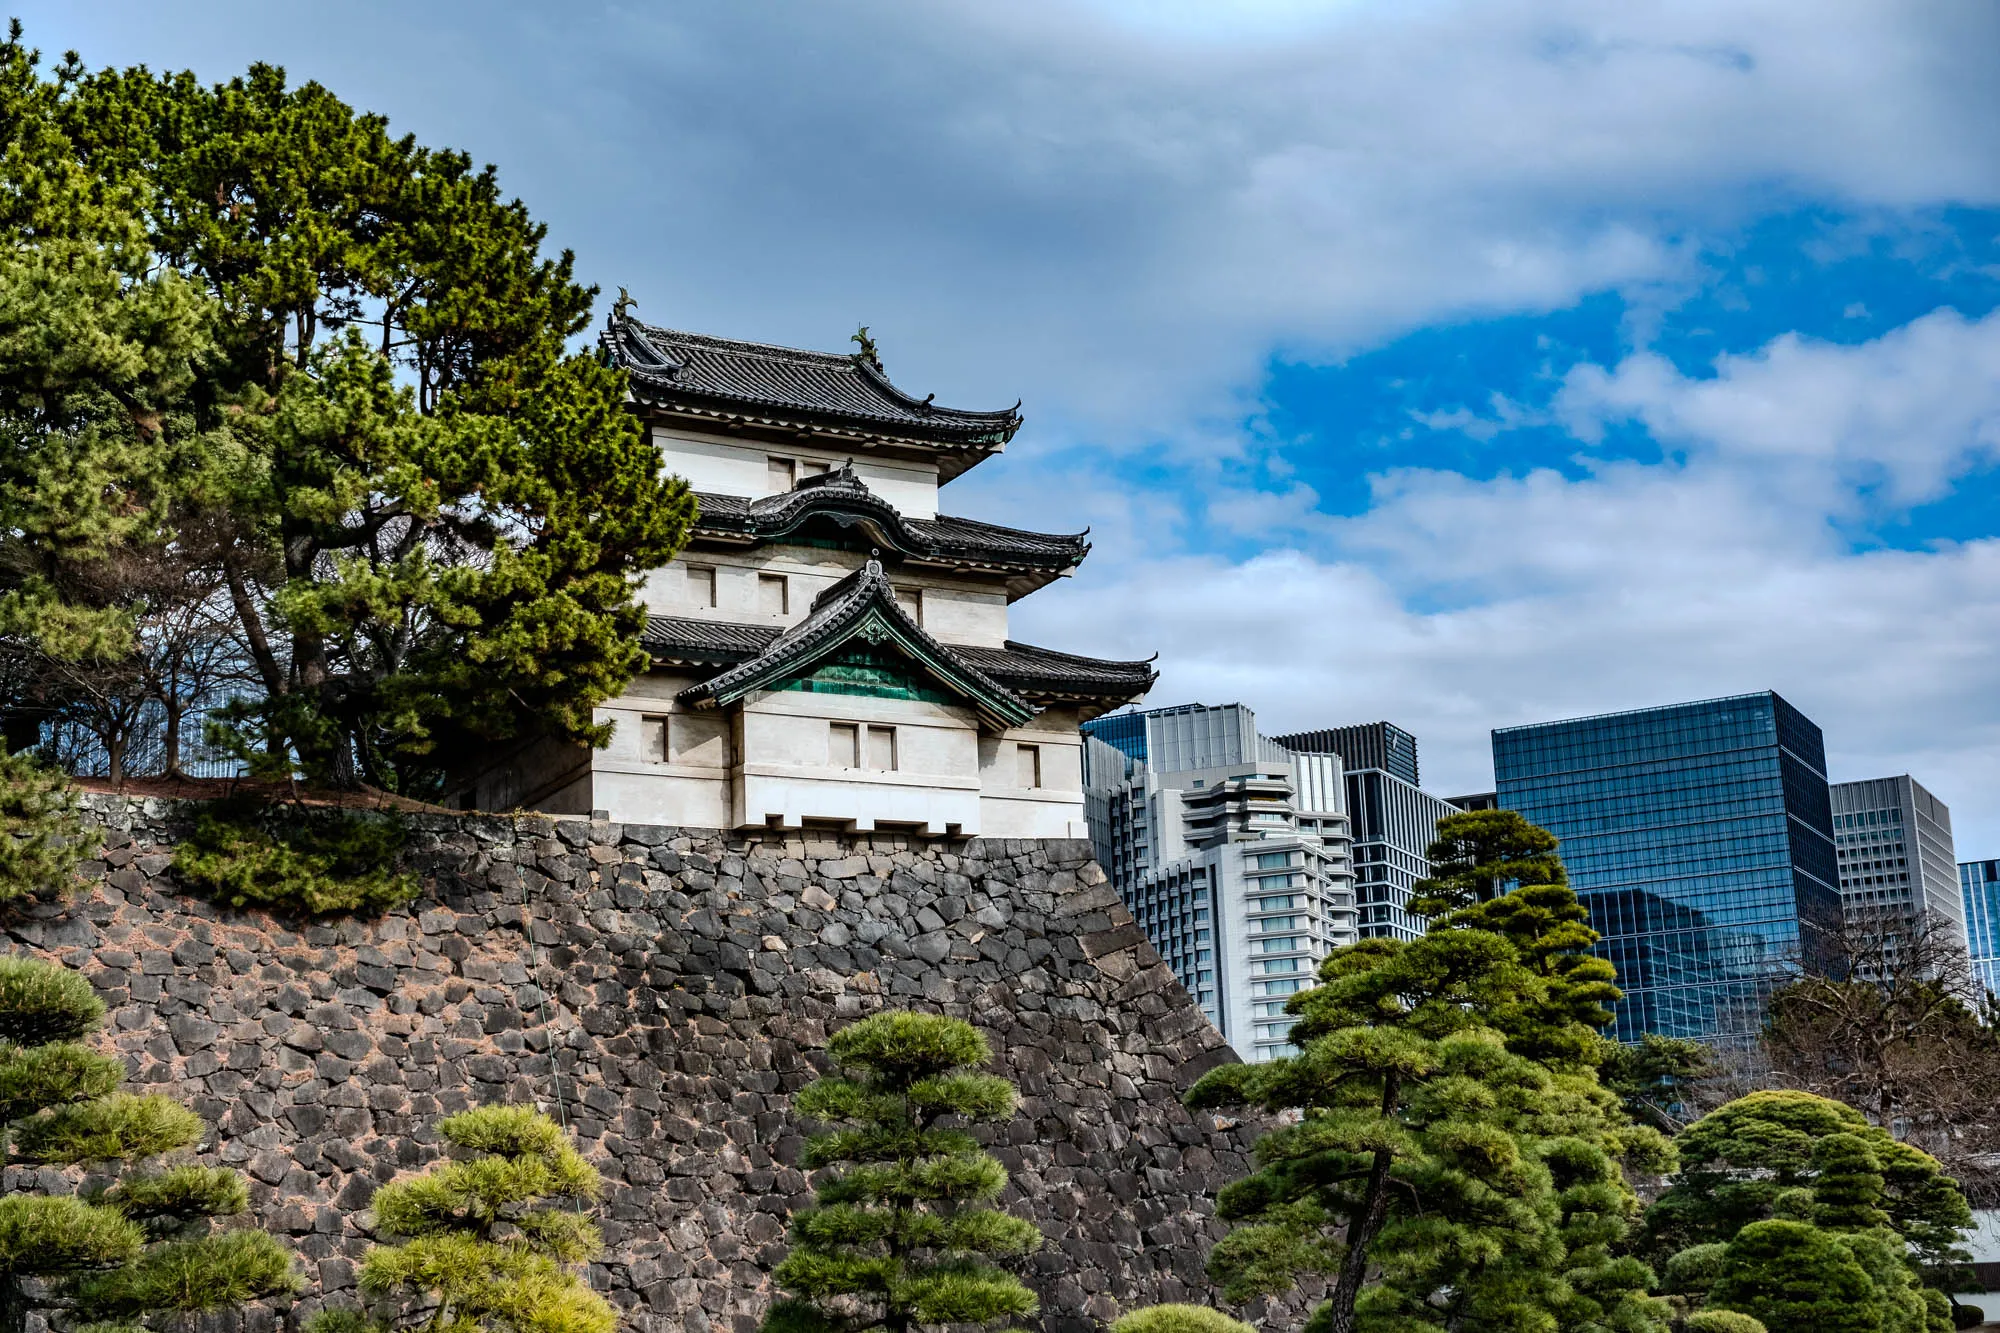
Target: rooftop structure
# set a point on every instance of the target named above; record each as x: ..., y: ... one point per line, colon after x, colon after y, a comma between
x: 1700, y: 838
x: 829, y: 649
x: 1379, y: 745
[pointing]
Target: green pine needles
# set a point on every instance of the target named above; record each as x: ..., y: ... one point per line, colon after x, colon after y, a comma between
x: 143, y: 1250
x: 903, y: 1235
x: 293, y: 858
x: 41, y: 838
x: 491, y: 1240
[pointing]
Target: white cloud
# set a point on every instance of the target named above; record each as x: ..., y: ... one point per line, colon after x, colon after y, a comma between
x: 1906, y: 413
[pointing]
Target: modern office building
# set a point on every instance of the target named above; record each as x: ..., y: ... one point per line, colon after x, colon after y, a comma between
x: 1897, y: 865
x: 1478, y: 800
x: 1382, y: 745
x: 1700, y: 837
x: 1232, y: 853
x: 1979, y: 889
x: 1393, y: 820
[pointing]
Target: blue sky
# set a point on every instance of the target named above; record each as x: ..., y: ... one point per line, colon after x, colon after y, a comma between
x: 1463, y: 364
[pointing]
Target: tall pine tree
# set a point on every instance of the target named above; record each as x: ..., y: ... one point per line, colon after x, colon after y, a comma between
x: 329, y: 368
x: 1451, y: 1160
x: 901, y: 1233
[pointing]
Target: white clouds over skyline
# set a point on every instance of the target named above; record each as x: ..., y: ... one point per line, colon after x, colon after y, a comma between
x: 1126, y: 213
x: 1454, y: 605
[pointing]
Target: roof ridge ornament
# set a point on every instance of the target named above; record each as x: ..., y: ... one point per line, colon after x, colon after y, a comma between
x: 868, y: 354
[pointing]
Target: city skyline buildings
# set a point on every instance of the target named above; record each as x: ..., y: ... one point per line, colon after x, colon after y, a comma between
x: 1979, y: 888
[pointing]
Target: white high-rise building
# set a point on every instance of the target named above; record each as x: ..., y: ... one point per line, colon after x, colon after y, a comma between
x: 1893, y: 841
x: 1232, y: 852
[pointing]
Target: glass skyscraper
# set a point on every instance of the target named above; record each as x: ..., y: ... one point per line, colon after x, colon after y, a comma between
x: 1700, y: 837
x: 1979, y: 884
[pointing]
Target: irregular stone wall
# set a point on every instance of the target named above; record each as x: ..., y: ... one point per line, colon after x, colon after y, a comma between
x: 665, y: 991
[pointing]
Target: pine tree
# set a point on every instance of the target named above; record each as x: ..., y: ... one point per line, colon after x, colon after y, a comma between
x: 143, y: 1249
x: 490, y: 1241
x: 1795, y: 1210
x: 1494, y: 870
x: 903, y: 1235
x: 343, y: 359
x: 1455, y: 1161
x: 1436, y: 1177
x: 41, y: 837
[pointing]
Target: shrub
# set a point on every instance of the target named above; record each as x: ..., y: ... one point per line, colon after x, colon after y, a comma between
x: 40, y: 1003
x: 295, y: 859
x: 494, y: 1238
x: 195, y: 1276
x: 1180, y: 1319
x: 61, y: 1104
x: 117, y: 1128
x: 1723, y: 1321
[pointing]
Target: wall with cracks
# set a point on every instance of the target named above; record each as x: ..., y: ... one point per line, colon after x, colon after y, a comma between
x: 665, y: 991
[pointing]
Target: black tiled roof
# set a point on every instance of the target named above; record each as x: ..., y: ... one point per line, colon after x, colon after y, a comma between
x: 733, y: 380
x: 842, y: 495
x: 682, y: 639
x: 1021, y: 667
x: 1044, y: 671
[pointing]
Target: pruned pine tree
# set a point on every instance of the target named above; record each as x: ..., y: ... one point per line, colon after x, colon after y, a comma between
x: 1434, y: 1177
x: 145, y: 1250
x: 491, y: 1240
x: 1794, y: 1210
x: 902, y: 1233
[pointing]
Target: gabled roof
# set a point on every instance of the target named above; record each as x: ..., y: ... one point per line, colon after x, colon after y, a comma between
x: 1035, y: 673
x: 862, y: 606
x: 844, y: 397
x: 1034, y: 558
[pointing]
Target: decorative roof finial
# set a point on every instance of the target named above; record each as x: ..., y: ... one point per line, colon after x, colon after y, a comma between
x: 867, y: 352
x: 621, y: 305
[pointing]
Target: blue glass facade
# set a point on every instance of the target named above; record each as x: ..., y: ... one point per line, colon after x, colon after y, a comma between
x: 1979, y: 885
x: 1700, y: 837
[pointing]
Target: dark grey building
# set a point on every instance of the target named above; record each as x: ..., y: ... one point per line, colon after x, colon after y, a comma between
x: 1382, y: 745
x: 1700, y: 838
x: 1394, y: 821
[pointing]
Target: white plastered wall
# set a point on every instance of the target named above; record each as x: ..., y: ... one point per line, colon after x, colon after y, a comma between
x: 728, y: 465
x: 952, y: 610
x: 1009, y: 808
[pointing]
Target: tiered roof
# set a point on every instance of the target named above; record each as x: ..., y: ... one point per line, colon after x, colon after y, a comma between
x: 1028, y: 560
x: 828, y: 398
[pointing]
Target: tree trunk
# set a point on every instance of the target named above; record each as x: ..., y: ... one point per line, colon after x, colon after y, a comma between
x: 1363, y: 1227
x: 170, y: 745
